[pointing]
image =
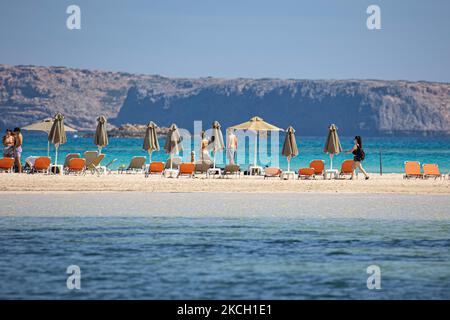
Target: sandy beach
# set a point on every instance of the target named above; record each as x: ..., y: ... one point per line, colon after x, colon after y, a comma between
x: 386, y: 184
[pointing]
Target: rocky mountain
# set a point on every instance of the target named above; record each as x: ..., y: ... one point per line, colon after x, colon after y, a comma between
x: 366, y: 107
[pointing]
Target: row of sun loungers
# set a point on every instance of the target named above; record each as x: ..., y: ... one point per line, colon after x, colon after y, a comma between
x: 190, y: 169
x: 91, y: 162
x: 73, y: 164
x: 413, y: 170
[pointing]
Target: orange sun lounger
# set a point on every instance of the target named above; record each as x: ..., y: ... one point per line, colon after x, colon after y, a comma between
x: 318, y: 166
x: 186, y: 169
x: 42, y: 164
x: 76, y: 165
x: 6, y: 164
x: 155, y: 168
x: 272, y: 172
x: 346, y: 168
x: 306, y: 173
x: 431, y: 171
x: 412, y: 170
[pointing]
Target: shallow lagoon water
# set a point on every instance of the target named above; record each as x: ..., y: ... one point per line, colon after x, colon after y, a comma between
x: 155, y: 250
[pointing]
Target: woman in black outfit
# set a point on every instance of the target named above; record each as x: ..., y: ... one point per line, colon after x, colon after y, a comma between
x: 358, y: 156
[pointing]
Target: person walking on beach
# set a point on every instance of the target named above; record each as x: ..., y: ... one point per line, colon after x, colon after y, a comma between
x: 8, y: 144
x: 231, y: 146
x: 18, y: 141
x: 358, y: 156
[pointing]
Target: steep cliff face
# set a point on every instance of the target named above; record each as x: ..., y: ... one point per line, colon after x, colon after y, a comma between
x: 368, y: 107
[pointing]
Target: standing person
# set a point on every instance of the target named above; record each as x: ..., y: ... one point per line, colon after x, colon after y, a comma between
x: 204, y: 152
x: 18, y: 149
x: 8, y: 144
x: 358, y: 156
x: 231, y: 146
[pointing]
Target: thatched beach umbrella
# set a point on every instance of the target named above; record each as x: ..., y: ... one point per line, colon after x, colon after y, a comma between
x: 173, y: 142
x: 256, y: 124
x: 332, y: 145
x: 45, y: 126
x: 101, y: 134
x: 216, y: 140
x: 151, y: 140
x: 57, y: 134
x: 290, y: 148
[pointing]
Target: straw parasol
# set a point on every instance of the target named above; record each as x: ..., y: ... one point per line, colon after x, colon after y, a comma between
x: 101, y: 134
x: 173, y: 142
x: 256, y: 124
x: 45, y: 126
x: 332, y: 145
x: 151, y: 140
x: 57, y: 134
x: 290, y: 149
x: 216, y: 140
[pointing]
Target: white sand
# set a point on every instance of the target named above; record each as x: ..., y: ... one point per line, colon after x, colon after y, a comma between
x: 388, y: 183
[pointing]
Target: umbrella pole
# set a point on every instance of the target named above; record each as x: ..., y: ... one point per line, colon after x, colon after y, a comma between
x: 289, y: 163
x: 56, y: 154
x: 48, y: 148
x: 214, y: 159
x: 331, y: 161
x: 149, y: 156
x: 171, y: 161
x: 99, y: 150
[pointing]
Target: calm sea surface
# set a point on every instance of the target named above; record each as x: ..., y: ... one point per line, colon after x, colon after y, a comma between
x: 394, y: 151
x: 293, y: 247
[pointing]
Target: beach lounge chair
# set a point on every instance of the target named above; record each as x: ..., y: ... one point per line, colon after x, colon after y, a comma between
x: 431, y: 171
x: 94, y: 166
x: 272, y: 172
x: 319, y: 167
x: 29, y: 164
x: 306, y: 173
x: 202, y: 167
x: 346, y: 168
x: 137, y: 165
x: 6, y: 165
x: 70, y: 156
x: 176, y: 163
x: 107, y: 168
x: 412, y: 170
x: 42, y: 164
x: 155, y: 168
x: 90, y: 156
x: 232, y: 170
x: 186, y: 169
x: 76, y: 166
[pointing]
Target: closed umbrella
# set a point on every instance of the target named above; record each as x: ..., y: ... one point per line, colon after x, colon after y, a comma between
x: 173, y: 142
x: 57, y: 134
x: 151, y: 139
x: 332, y: 145
x: 256, y: 124
x: 101, y: 134
x: 290, y: 148
x: 45, y: 126
x: 216, y: 140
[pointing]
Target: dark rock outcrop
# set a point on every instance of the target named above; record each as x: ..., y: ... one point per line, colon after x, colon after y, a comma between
x: 366, y: 107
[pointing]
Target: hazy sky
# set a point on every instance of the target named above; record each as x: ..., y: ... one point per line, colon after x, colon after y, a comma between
x: 233, y: 38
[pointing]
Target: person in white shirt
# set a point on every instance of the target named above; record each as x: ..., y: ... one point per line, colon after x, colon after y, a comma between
x: 232, y: 144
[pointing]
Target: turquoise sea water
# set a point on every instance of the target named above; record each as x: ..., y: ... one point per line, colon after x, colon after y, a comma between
x: 167, y: 246
x: 223, y: 258
x: 394, y: 151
